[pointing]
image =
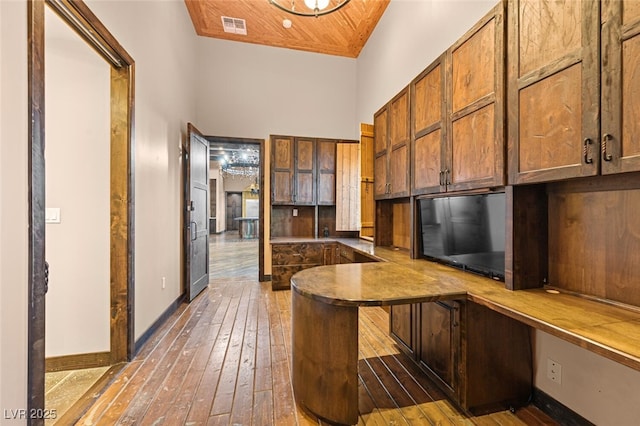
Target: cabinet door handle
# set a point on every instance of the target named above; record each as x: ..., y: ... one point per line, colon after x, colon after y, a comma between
x: 446, y: 177
x: 605, y: 155
x: 441, y: 177
x: 585, y: 151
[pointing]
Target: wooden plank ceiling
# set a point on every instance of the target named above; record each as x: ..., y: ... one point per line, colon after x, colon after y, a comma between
x: 342, y: 33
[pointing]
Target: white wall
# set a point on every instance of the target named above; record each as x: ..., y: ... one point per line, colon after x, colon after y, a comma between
x: 602, y: 391
x: 77, y: 129
x: 410, y: 35
x: 252, y: 91
x: 13, y: 192
x: 160, y: 38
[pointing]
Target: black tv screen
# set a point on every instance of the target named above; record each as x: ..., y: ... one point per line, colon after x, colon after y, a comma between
x: 466, y: 231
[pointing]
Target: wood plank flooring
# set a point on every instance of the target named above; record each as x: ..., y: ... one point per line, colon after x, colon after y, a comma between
x: 224, y: 360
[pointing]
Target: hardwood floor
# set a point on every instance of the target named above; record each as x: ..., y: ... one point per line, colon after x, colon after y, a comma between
x: 224, y: 360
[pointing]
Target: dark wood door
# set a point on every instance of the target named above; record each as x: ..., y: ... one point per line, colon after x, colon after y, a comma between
x: 398, y: 150
x: 233, y: 210
x: 197, y: 207
x: 475, y: 154
x: 282, y: 170
x: 438, y: 340
x: 305, y: 172
x: 401, y: 325
x: 380, y: 144
x: 326, y: 172
x: 620, y: 87
x: 553, y: 90
x: 428, y: 129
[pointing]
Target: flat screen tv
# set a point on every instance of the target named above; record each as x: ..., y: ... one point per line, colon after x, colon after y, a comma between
x: 465, y: 231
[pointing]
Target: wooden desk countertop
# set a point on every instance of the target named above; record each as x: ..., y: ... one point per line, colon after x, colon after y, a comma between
x: 609, y: 330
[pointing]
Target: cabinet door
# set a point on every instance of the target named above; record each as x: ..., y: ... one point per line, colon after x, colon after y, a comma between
x: 401, y: 324
x: 620, y: 86
x: 367, y: 203
x: 380, y: 145
x: 398, y: 150
x: 326, y: 172
x: 553, y: 90
x: 475, y: 155
x: 439, y: 340
x: 428, y: 129
x: 347, y: 184
x: 305, y: 171
x: 282, y: 169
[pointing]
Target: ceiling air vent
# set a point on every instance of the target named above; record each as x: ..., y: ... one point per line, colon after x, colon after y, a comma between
x: 234, y: 25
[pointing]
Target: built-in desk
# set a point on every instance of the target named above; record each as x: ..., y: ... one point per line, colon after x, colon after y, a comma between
x: 325, y: 303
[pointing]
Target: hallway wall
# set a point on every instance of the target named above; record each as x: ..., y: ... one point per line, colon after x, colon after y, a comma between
x: 77, y: 152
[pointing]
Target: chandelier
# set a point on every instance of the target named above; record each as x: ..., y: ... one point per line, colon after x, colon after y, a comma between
x: 315, y: 7
x: 244, y: 163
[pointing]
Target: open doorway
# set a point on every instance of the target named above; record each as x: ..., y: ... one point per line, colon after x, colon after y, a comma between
x: 237, y: 165
x: 120, y: 176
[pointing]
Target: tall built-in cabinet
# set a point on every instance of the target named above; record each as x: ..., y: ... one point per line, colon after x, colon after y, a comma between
x: 367, y: 202
x: 391, y: 145
x: 457, y: 113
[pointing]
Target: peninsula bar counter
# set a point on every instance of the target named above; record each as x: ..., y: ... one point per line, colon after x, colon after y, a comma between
x: 324, y: 312
x: 325, y: 301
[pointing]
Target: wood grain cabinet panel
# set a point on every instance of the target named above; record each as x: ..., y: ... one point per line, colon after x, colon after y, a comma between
x: 553, y: 90
x: 282, y: 169
x: 392, y: 160
x: 479, y: 358
x: 620, y: 100
x: 428, y: 129
x: 327, y: 172
x: 458, y: 107
x: 347, y: 186
x: 305, y: 172
x: 475, y: 157
x: 293, y: 171
x: 287, y: 259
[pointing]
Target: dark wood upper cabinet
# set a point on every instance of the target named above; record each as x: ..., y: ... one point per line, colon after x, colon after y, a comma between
x: 428, y: 126
x: 458, y: 113
x: 293, y: 170
x: 554, y: 84
x: 391, y: 142
x: 620, y: 151
x: 282, y: 169
x: 326, y: 172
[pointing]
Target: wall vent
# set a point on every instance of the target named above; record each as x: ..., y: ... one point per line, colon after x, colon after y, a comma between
x: 234, y: 25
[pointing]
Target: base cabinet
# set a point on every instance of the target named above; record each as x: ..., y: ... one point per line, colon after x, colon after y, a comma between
x: 287, y: 259
x: 481, y: 359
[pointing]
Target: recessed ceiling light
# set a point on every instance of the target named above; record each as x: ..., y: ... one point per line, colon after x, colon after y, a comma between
x: 286, y: 23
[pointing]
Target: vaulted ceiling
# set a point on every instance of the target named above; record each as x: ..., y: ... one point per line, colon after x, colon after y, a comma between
x: 341, y: 33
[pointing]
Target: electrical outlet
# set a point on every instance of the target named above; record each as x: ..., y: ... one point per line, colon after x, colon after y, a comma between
x: 164, y: 282
x: 295, y: 212
x: 554, y: 371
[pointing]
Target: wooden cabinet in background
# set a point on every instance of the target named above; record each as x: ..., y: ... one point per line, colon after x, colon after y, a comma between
x: 440, y: 340
x: 347, y: 185
x: 293, y: 170
x: 402, y: 327
x: 287, y: 259
x: 391, y: 142
x: 367, y: 202
x: 326, y: 172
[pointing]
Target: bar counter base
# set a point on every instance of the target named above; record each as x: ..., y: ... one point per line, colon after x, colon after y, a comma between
x: 325, y: 358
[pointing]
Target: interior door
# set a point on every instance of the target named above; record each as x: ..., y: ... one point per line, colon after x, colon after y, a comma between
x: 196, y: 212
x: 234, y: 210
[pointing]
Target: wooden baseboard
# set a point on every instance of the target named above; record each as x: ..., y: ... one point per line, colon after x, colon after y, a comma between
x: 163, y: 317
x: 556, y: 410
x: 77, y: 361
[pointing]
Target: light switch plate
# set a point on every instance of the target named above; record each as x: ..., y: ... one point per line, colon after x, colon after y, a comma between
x: 52, y: 215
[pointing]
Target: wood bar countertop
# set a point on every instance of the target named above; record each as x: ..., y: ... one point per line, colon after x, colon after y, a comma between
x: 607, y: 329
